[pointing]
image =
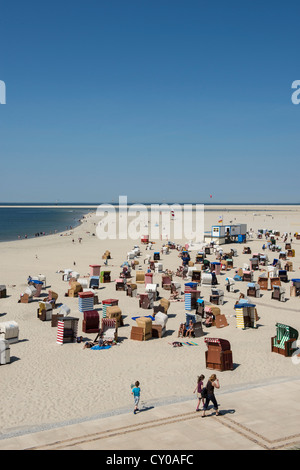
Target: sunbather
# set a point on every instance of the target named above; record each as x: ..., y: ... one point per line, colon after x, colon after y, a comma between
x: 209, y: 320
x: 190, y: 329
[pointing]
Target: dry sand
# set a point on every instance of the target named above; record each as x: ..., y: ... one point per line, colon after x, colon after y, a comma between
x: 48, y: 383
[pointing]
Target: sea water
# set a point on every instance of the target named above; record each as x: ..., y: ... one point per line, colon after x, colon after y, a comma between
x: 28, y: 222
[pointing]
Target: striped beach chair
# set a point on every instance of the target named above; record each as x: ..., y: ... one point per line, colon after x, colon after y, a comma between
x: 67, y: 328
x: 188, y: 301
x: 245, y: 315
x: 109, y: 329
x: 108, y: 303
x: 283, y: 342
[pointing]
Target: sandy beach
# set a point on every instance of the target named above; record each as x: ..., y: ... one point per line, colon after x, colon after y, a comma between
x: 47, y: 383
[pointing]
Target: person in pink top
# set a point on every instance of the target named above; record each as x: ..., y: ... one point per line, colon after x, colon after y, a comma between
x: 199, y: 387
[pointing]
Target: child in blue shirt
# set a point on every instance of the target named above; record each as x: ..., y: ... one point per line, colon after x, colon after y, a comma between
x: 136, y: 392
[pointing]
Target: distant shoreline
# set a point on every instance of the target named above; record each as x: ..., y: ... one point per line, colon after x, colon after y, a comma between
x: 249, y: 206
x: 130, y: 203
x: 56, y: 228
x: 87, y: 210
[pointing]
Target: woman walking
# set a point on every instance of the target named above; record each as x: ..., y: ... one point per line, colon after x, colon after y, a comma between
x: 212, y: 383
x: 199, y: 388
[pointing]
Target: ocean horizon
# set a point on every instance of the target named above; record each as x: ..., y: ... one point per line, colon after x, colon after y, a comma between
x: 95, y: 204
x: 29, y: 220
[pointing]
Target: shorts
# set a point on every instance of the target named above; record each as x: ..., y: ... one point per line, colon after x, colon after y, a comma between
x: 136, y: 400
x: 199, y: 395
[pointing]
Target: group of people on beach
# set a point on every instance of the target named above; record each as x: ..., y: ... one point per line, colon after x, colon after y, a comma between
x: 40, y: 234
x: 206, y: 394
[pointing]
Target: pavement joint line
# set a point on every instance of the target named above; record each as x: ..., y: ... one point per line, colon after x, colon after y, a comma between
x: 259, y: 438
x: 270, y: 441
x: 241, y: 433
x: 236, y: 427
x: 157, y: 403
x: 120, y: 431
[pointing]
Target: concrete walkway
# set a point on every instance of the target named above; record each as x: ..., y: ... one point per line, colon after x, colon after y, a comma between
x: 260, y: 416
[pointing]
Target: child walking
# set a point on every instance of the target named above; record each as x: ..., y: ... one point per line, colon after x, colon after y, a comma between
x: 199, y: 387
x: 136, y: 392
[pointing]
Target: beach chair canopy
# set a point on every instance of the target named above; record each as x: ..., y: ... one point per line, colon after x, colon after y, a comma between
x: 263, y: 276
x: 283, y: 334
x: 224, y: 343
x: 64, y: 310
x: 192, y: 285
x: 217, y: 291
x: 243, y: 303
x: 109, y: 328
x: 151, y: 287
x: 30, y: 291
x: 161, y: 319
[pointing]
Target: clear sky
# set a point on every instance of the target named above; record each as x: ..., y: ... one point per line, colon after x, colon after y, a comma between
x: 159, y: 100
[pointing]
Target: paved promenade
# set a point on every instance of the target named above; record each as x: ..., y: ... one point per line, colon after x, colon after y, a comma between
x: 262, y: 416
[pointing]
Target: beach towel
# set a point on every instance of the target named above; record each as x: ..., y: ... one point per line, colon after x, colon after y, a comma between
x: 97, y: 348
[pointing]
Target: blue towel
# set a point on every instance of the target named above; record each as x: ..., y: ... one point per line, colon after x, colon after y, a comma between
x: 97, y: 348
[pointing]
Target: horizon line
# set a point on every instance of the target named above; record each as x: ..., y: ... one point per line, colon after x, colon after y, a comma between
x: 152, y: 202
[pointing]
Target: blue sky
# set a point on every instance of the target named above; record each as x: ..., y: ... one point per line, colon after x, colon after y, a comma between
x: 159, y: 100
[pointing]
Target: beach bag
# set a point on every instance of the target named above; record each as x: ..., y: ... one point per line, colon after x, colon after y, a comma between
x: 176, y: 344
x: 204, y: 392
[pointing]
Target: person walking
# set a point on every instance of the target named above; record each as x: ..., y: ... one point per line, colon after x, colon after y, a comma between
x: 136, y: 392
x: 199, y: 388
x: 212, y: 383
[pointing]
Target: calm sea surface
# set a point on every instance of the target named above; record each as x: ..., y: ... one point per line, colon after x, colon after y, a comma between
x: 27, y: 221
x: 18, y: 222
